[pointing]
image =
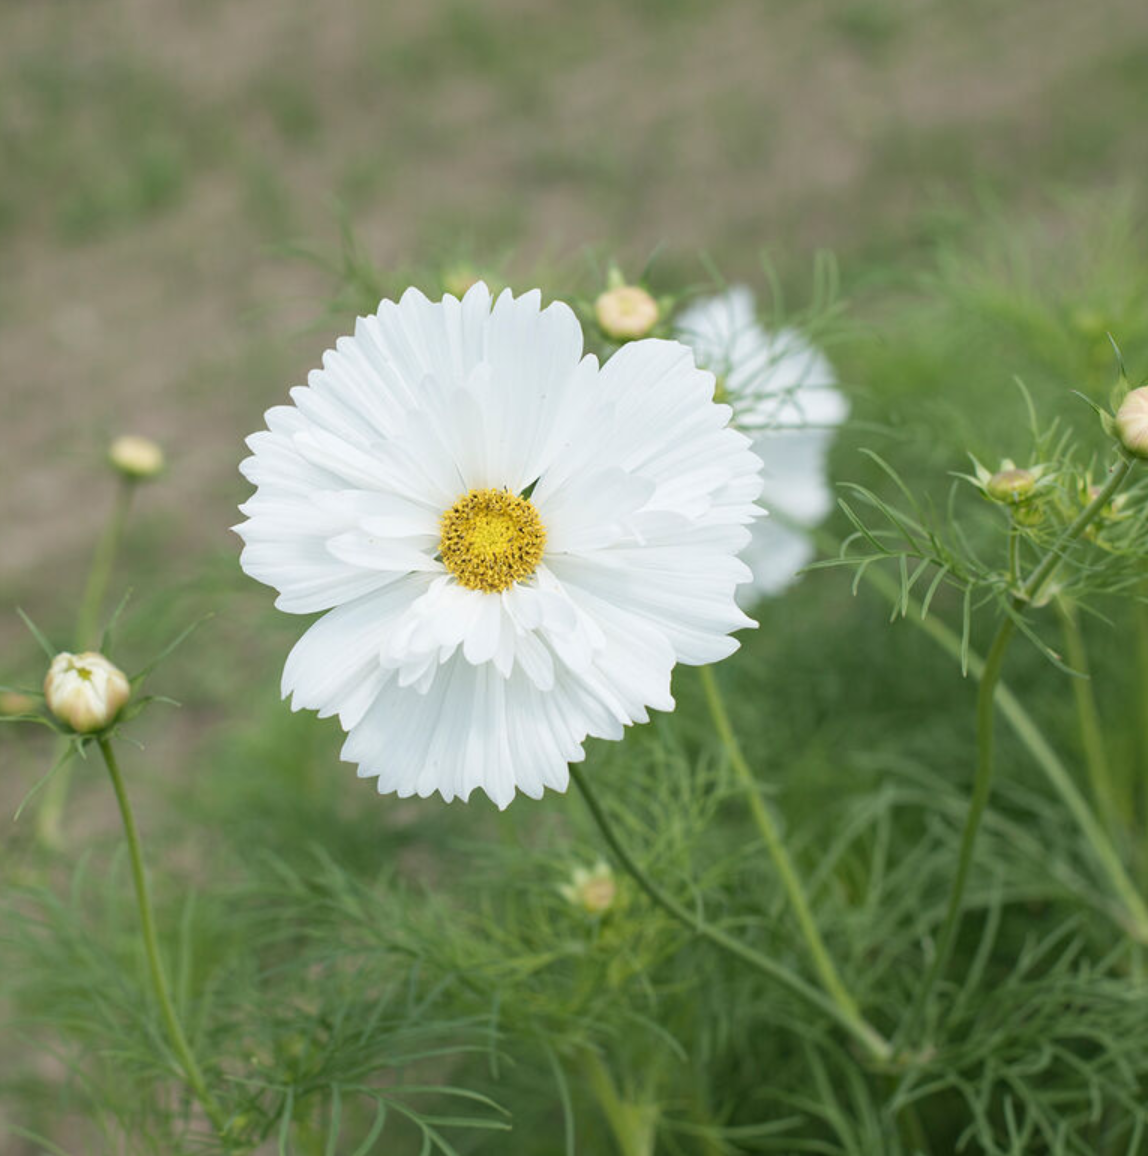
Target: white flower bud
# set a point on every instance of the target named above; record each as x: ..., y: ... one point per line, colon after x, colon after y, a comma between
x: 626, y: 312
x: 85, y: 691
x: 1132, y: 422
x: 135, y: 457
x: 594, y: 891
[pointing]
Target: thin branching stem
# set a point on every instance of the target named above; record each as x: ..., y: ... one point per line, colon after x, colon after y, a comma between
x: 1088, y: 718
x: 186, y: 1057
x: 982, y: 782
x: 1133, y: 914
x: 771, y: 836
x: 874, y: 1044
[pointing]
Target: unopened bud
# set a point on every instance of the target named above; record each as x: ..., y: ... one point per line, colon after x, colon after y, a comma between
x: 85, y: 691
x: 135, y: 457
x: 626, y: 312
x: 1012, y: 485
x: 1132, y: 422
x: 593, y: 891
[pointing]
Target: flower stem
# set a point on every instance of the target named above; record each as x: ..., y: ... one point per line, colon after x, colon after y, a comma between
x: 50, y: 814
x: 100, y: 573
x: 771, y: 836
x: 986, y: 694
x: 982, y: 788
x: 1134, y: 916
x: 874, y: 1043
x: 159, y: 982
x: 1088, y: 716
x: 634, y: 1124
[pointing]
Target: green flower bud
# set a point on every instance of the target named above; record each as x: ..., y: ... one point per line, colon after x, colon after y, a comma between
x: 1012, y: 485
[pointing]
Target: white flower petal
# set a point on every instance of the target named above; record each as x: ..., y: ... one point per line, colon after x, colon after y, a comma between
x: 643, y: 491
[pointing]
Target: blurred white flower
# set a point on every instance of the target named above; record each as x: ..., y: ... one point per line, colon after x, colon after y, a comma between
x: 783, y: 394
x: 85, y: 691
x: 514, y: 544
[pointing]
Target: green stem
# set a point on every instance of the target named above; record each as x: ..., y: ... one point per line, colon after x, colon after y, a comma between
x: 875, y: 1044
x: 1138, y: 802
x: 1083, y: 520
x: 771, y: 836
x: 634, y: 1124
x: 51, y: 811
x: 100, y: 573
x: 1088, y: 716
x: 986, y: 694
x: 1135, y: 914
x: 1013, y: 556
x: 151, y: 947
x: 982, y: 788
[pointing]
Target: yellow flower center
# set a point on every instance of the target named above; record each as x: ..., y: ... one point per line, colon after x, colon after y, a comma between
x: 491, y: 539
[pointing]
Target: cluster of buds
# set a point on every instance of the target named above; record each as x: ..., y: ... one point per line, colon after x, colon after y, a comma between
x: 593, y: 891
x: 85, y: 691
x: 1114, y: 511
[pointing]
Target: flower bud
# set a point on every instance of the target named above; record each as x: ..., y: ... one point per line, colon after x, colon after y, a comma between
x: 626, y: 312
x: 594, y: 891
x: 136, y: 458
x: 1012, y: 485
x: 85, y: 691
x: 1132, y: 422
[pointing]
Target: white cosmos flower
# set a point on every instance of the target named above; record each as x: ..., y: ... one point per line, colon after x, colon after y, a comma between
x: 514, y: 545
x: 783, y: 393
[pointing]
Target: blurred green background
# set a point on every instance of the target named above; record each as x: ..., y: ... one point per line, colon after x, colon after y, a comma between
x: 174, y: 183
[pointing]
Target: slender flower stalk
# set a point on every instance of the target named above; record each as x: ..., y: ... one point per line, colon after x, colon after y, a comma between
x: 771, y: 836
x: 51, y: 811
x: 1088, y: 717
x: 634, y: 1125
x: 1013, y: 555
x: 178, y: 1040
x: 875, y: 1045
x: 103, y: 562
x: 1132, y: 914
x: 982, y: 782
x: 1140, y: 611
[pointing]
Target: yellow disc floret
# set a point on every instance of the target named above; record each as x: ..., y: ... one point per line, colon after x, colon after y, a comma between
x: 491, y: 539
